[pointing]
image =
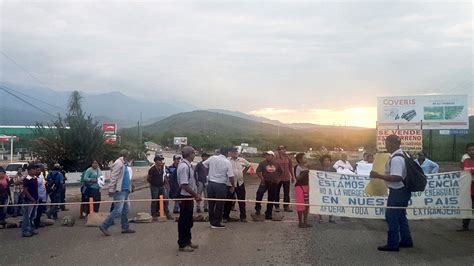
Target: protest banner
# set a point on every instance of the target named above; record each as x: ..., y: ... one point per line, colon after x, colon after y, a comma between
x: 412, y: 139
x: 344, y: 195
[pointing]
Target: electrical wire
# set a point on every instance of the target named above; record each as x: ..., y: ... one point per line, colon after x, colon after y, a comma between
x: 25, y: 101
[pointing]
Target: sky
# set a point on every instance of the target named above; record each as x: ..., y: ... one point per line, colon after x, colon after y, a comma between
x: 316, y: 62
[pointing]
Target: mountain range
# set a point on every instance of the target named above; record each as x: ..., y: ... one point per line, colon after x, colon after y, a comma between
x: 104, y: 107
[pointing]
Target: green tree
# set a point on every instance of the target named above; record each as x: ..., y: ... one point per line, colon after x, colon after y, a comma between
x: 73, y: 141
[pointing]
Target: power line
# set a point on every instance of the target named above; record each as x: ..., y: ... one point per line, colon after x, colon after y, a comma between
x: 36, y: 99
x: 25, y: 101
x: 26, y: 71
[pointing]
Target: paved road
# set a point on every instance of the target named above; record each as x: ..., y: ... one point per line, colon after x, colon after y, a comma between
x: 350, y: 242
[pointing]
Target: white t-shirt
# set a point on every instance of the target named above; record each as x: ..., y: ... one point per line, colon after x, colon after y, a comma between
x: 238, y: 166
x: 396, y: 166
x: 220, y: 169
x: 340, y: 165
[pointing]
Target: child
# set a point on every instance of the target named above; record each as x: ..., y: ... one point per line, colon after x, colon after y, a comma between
x: 302, y: 190
x: 468, y: 165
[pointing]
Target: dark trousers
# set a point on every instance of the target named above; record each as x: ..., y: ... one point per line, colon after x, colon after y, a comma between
x: 216, y: 208
x: 466, y: 222
x: 39, y: 212
x: 185, y: 222
x: 63, y: 198
x: 95, y: 194
x: 272, y: 189
x: 286, y: 193
x: 53, y: 209
x: 155, y: 205
x: 398, y: 228
x: 3, y: 210
x: 240, y: 193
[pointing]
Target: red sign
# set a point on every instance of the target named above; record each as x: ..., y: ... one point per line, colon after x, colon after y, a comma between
x: 109, y: 128
x: 111, y: 138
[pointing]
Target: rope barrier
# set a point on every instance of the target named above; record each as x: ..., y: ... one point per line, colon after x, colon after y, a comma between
x: 237, y: 200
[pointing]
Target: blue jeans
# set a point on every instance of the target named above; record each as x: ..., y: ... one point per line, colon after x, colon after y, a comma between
x: 17, y: 199
x: 398, y: 228
x: 121, y: 208
x: 29, y: 214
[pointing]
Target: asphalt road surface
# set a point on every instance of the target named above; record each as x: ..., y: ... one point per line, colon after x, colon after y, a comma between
x: 351, y: 242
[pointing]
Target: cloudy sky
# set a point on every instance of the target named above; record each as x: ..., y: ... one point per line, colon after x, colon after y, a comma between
x: 317, y: 62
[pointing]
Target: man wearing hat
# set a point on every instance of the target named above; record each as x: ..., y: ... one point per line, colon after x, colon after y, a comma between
x: 188, y: 191
x: 269, y: 173
x: 119, y: 188
x: 399, y: 235
x: 157, y: 180
x: 55, y: 178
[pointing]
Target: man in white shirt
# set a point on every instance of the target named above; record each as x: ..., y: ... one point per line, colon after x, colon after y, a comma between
x: 240, y: 166
x: 220, y: 172
x: 343, y: 164
x: 399, y: 235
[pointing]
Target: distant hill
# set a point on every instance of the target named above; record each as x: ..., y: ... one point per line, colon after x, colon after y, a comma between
x: 210, y: 130
x: 249, y: 117
x: 111, y: 107
x: 207, y: 122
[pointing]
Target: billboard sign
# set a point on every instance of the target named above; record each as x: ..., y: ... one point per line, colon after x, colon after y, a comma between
x: 424, y: 112
x: 110, y: 138
x: 180, y: 141
x: 109, y: 128
x: 412, y: 139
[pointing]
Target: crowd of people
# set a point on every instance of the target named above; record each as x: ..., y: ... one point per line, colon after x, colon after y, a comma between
x: 219, y: 178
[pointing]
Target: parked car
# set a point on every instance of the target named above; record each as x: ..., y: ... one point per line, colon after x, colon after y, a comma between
x: 12, y: 168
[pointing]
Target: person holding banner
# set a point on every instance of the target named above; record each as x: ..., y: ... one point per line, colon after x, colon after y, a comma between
x: 326, y: 166
x: 396, y: 171
x: 468, y: 165
x: 302, y: 190
x: 428, y: 166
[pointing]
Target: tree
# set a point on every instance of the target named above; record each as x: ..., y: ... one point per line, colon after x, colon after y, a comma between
x: 74, y: 141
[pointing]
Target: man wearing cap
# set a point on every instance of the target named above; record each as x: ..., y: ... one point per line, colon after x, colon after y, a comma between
x: 269, y: 173
x: 119, y: 188
x: 157, y: 180
x: 30, y: 197
x: 56, y: 179
x: 188, y: 191
x: 399, y: 235
x: 173, y: 186
x: 220, y: 172
x: 240, y: 166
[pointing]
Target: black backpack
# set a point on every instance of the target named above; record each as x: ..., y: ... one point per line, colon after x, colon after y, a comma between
x: 415, y: 180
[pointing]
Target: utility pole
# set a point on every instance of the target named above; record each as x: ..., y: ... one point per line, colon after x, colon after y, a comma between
x: 141, y: 132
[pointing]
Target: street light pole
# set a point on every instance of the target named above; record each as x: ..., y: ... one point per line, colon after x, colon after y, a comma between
x: 11, y: 149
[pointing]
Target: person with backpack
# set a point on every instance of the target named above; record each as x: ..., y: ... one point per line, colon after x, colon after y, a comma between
x: 54, y: 182
x: 188, y: 190
x: 399, y: 235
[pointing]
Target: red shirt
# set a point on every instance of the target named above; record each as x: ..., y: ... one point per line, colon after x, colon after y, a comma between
x: 468, y: 165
